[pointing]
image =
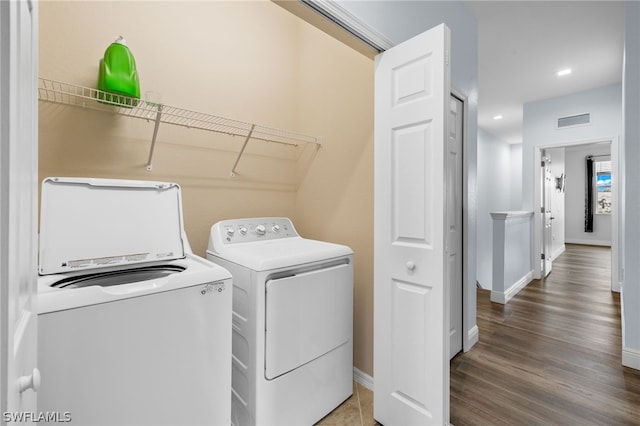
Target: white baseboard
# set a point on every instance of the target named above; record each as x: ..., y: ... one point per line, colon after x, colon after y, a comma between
x: 617, y: 287
x: 498, y: 297
x: 587, y: 242
x: 473, y: 336
x: 363, y: 378
x: 558, y: 252
x: 631, y: 358
x: 503, y: 298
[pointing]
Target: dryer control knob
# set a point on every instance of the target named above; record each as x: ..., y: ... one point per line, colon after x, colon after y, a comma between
x: 275, y: 228
x: 243, y: 230
x: 230, y: 232
x: 261, y: 230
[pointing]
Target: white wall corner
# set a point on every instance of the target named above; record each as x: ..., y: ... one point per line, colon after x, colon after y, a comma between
x: 503, y: 298
x: 616, y: 287
x: 498, y: 297
x: 363, y: 378
x: 473, y: 335
x: 631, y: 358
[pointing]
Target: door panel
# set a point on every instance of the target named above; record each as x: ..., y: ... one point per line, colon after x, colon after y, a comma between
x: 411, y: 153
x: 412, y: 80
x: 410, y: 343
x: 411, y: 319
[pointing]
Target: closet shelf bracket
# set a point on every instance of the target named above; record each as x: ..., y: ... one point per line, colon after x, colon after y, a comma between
x: 244, y: 145
x: 154, y: 137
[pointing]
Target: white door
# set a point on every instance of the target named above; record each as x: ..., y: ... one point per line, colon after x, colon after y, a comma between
x: 454, y: 223
x: 18, y: 193
x: 411, y: 300
x: 547, y: 216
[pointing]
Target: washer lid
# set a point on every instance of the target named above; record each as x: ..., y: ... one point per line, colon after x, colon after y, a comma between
x: 96, y: 223
x: 275, y: 254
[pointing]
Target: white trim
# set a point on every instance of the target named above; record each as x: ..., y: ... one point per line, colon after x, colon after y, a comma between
x: 617, y: 200
x: 350, y: 23
x: 473, y: 336
x: 468, y: 286
x: 537, y: 233
x: 499, y: 297
x: 616, y: 287
x: 510, y: 215
x: 6, y: 21
x: 463, y: 302
x: 363, y: 378
x: 622, y: 322
x: 558, y: 252
x: 588, y: 242
x: 631, y: 358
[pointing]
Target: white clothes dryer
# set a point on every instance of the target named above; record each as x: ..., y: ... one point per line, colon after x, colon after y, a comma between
x: 133, y: 328
x: 292, y: 321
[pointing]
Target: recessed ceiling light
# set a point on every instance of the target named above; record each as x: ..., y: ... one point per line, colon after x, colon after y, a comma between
x: 566, y: 71
x: 497, y: 117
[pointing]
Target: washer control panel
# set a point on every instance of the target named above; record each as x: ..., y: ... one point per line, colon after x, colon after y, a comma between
x: 255, y: 229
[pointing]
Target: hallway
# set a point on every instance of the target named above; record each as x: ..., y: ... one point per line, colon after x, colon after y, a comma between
x: 552, y: 355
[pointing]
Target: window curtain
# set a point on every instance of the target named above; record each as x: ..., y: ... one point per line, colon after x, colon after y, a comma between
x: 588, y: 203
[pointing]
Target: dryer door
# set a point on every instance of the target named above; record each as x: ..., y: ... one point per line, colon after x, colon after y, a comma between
x: 307, y: 315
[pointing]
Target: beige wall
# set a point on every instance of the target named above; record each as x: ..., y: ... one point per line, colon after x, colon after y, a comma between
x: 250, y: 61
x: 335, y: 200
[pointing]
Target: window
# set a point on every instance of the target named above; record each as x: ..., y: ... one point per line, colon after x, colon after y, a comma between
x: 603, y: 187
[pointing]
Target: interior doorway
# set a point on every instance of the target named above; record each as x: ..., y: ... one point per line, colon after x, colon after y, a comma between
x: 539, y: 228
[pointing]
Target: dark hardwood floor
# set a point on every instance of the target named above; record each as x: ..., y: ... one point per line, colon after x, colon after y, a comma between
x: 552, y: 355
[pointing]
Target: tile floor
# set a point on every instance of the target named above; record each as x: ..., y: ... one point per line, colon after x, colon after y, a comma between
x: 355, y: 411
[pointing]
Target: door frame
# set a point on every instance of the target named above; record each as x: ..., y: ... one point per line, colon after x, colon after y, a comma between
x: 615, y: 188
x: 470, y: 334
x: 545, y: 246
x: 470, y: 329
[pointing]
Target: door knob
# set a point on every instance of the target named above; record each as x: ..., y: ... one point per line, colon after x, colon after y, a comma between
x: 30, y: 382
x: 410, y: 265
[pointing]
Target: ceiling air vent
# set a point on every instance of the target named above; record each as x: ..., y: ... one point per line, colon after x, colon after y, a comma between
x: 574, y: 120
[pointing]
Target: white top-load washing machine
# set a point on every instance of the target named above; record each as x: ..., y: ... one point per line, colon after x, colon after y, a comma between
x: 292, y: 321
x: 133, y: 328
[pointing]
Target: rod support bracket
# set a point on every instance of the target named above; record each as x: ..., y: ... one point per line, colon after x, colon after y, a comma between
x: 244, y: 146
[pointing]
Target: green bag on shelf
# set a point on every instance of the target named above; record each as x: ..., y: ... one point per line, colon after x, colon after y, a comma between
x: 118, y: 75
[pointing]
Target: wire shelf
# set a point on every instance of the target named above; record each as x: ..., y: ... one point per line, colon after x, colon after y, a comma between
x: 85, y: 97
